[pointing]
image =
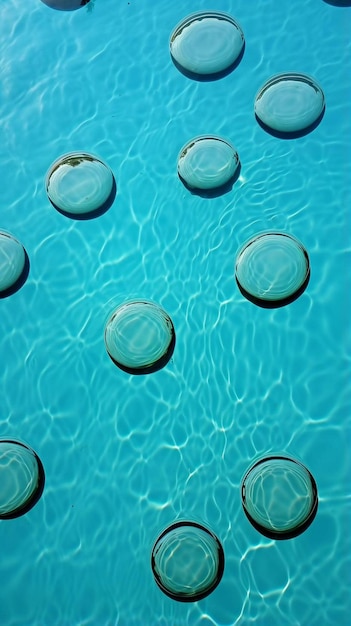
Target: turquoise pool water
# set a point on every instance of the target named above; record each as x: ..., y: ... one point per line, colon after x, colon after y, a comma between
x: 126, y: 456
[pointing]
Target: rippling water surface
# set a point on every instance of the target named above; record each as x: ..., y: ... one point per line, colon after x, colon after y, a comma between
x: 126, y: 456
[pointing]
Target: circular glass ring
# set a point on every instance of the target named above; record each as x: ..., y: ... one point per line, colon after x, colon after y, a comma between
x: 187, y: 561
x: 80, y: 184
x: 22, y: 478
x: 207, y: 162
x: 206, y: 43
x: 279, y: 497
x: 272, y: 269
x: 139, y: 337
x: 290, y: 103
x: 13, y: 261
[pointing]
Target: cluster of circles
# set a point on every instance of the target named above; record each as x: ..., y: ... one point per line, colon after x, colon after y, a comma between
x: 279, y: 498
x: 278, y: 493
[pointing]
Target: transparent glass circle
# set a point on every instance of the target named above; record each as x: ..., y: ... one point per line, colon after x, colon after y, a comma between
x: 12, y: 261
x: 21, y: 478
x: 187, y: 561
x: 279, y: 497
x: 139, y: 337
x: 66, y: 5
x: 79, y: 184
x: 272, y: 269
x: 206, y: 43
x: 207, y: 162
x: 290, y: 103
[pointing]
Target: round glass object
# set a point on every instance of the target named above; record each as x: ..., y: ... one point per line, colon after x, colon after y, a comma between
x: 272, y: 269
x: 279, y: 497
x: 187, y: 561
x: 289, y: 103
x: 65, y: 5
x: 79, y: 183
x: 206, y: 43
x: 12, y: 261
x: 21, y: 478
x: 207, y: 162
x: 139, y: 337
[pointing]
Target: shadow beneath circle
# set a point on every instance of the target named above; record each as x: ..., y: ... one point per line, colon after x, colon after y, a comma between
x: 206, y: 78
x: 91, y: 214
x: 291, y: 135
x: 338, y: 3
x: 217, y: 191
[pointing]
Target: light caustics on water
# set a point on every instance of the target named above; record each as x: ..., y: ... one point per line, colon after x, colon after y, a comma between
x: 187, y: 561
x: 207, y: 162
x: 206, y: 44
x: 279, y: 497
x: 22, y: 478
x: 272, y: 269
x: 80, y: 185
x: 139, y: 337
x: 290, y: 104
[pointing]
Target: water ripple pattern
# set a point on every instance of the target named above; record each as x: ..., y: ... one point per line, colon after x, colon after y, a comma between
x: 126, y: 456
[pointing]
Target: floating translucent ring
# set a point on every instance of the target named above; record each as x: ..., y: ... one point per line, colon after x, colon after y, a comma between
x: 207, y: 162
x: 279, y: 497
x: 206, y: 43
x: 80, y: 184
x: 14, y: 264
x: 272, y: 269
x: 187, y: 561
x: 65, y: 5
x: 290, y: 104
x: 22, y: 478
x: 139, y: 337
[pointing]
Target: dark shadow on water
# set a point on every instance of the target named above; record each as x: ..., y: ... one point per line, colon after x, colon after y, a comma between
x: 206, y: 78
x: 338, y: 3
x: 218, y: 191
x: 91, y: 214
x: 20, y: 280
x: 292, y: 135
x: 35, y: 496
x: 65, y: 5
x: 151, y: 368
x: 274, y: 304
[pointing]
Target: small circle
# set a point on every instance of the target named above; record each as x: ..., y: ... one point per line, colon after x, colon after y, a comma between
x: 207, y: 162
x: 12, y: 262
x: 22, y: 478
x: 65, y: 5
x: 206, y: 43
x: 272, y: 269
x: 139, y: 337
x: 279, y: 497
x: 187, y: 561
x: 290, y: 103
x: 79, y: 184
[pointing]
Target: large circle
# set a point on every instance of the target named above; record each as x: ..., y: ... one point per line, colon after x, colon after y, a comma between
x: 272, y: 269
x: 21, y: 478
x: 139, y: 337
x: 12, y: 262
x: 187, y: 561
x: 206, y: 43
x: 207, y: 162
x: 279, y: 497
x: 79, y: 184
x: 289, y: 103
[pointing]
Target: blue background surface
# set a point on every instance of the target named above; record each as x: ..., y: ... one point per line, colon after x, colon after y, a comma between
x: 126, y: 456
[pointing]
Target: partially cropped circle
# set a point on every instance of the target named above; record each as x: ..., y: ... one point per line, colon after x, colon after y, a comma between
x: 206, y: 43
x: 279, y: 497
x: 272, y: 269
x: 290, y: 103
x: 12, y: 262
x: 207, y: 162
x: 79, y: 184
x: 66, y: 5
x: 22, y: 478
x: 187, y: 561
x: 139, y: 337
